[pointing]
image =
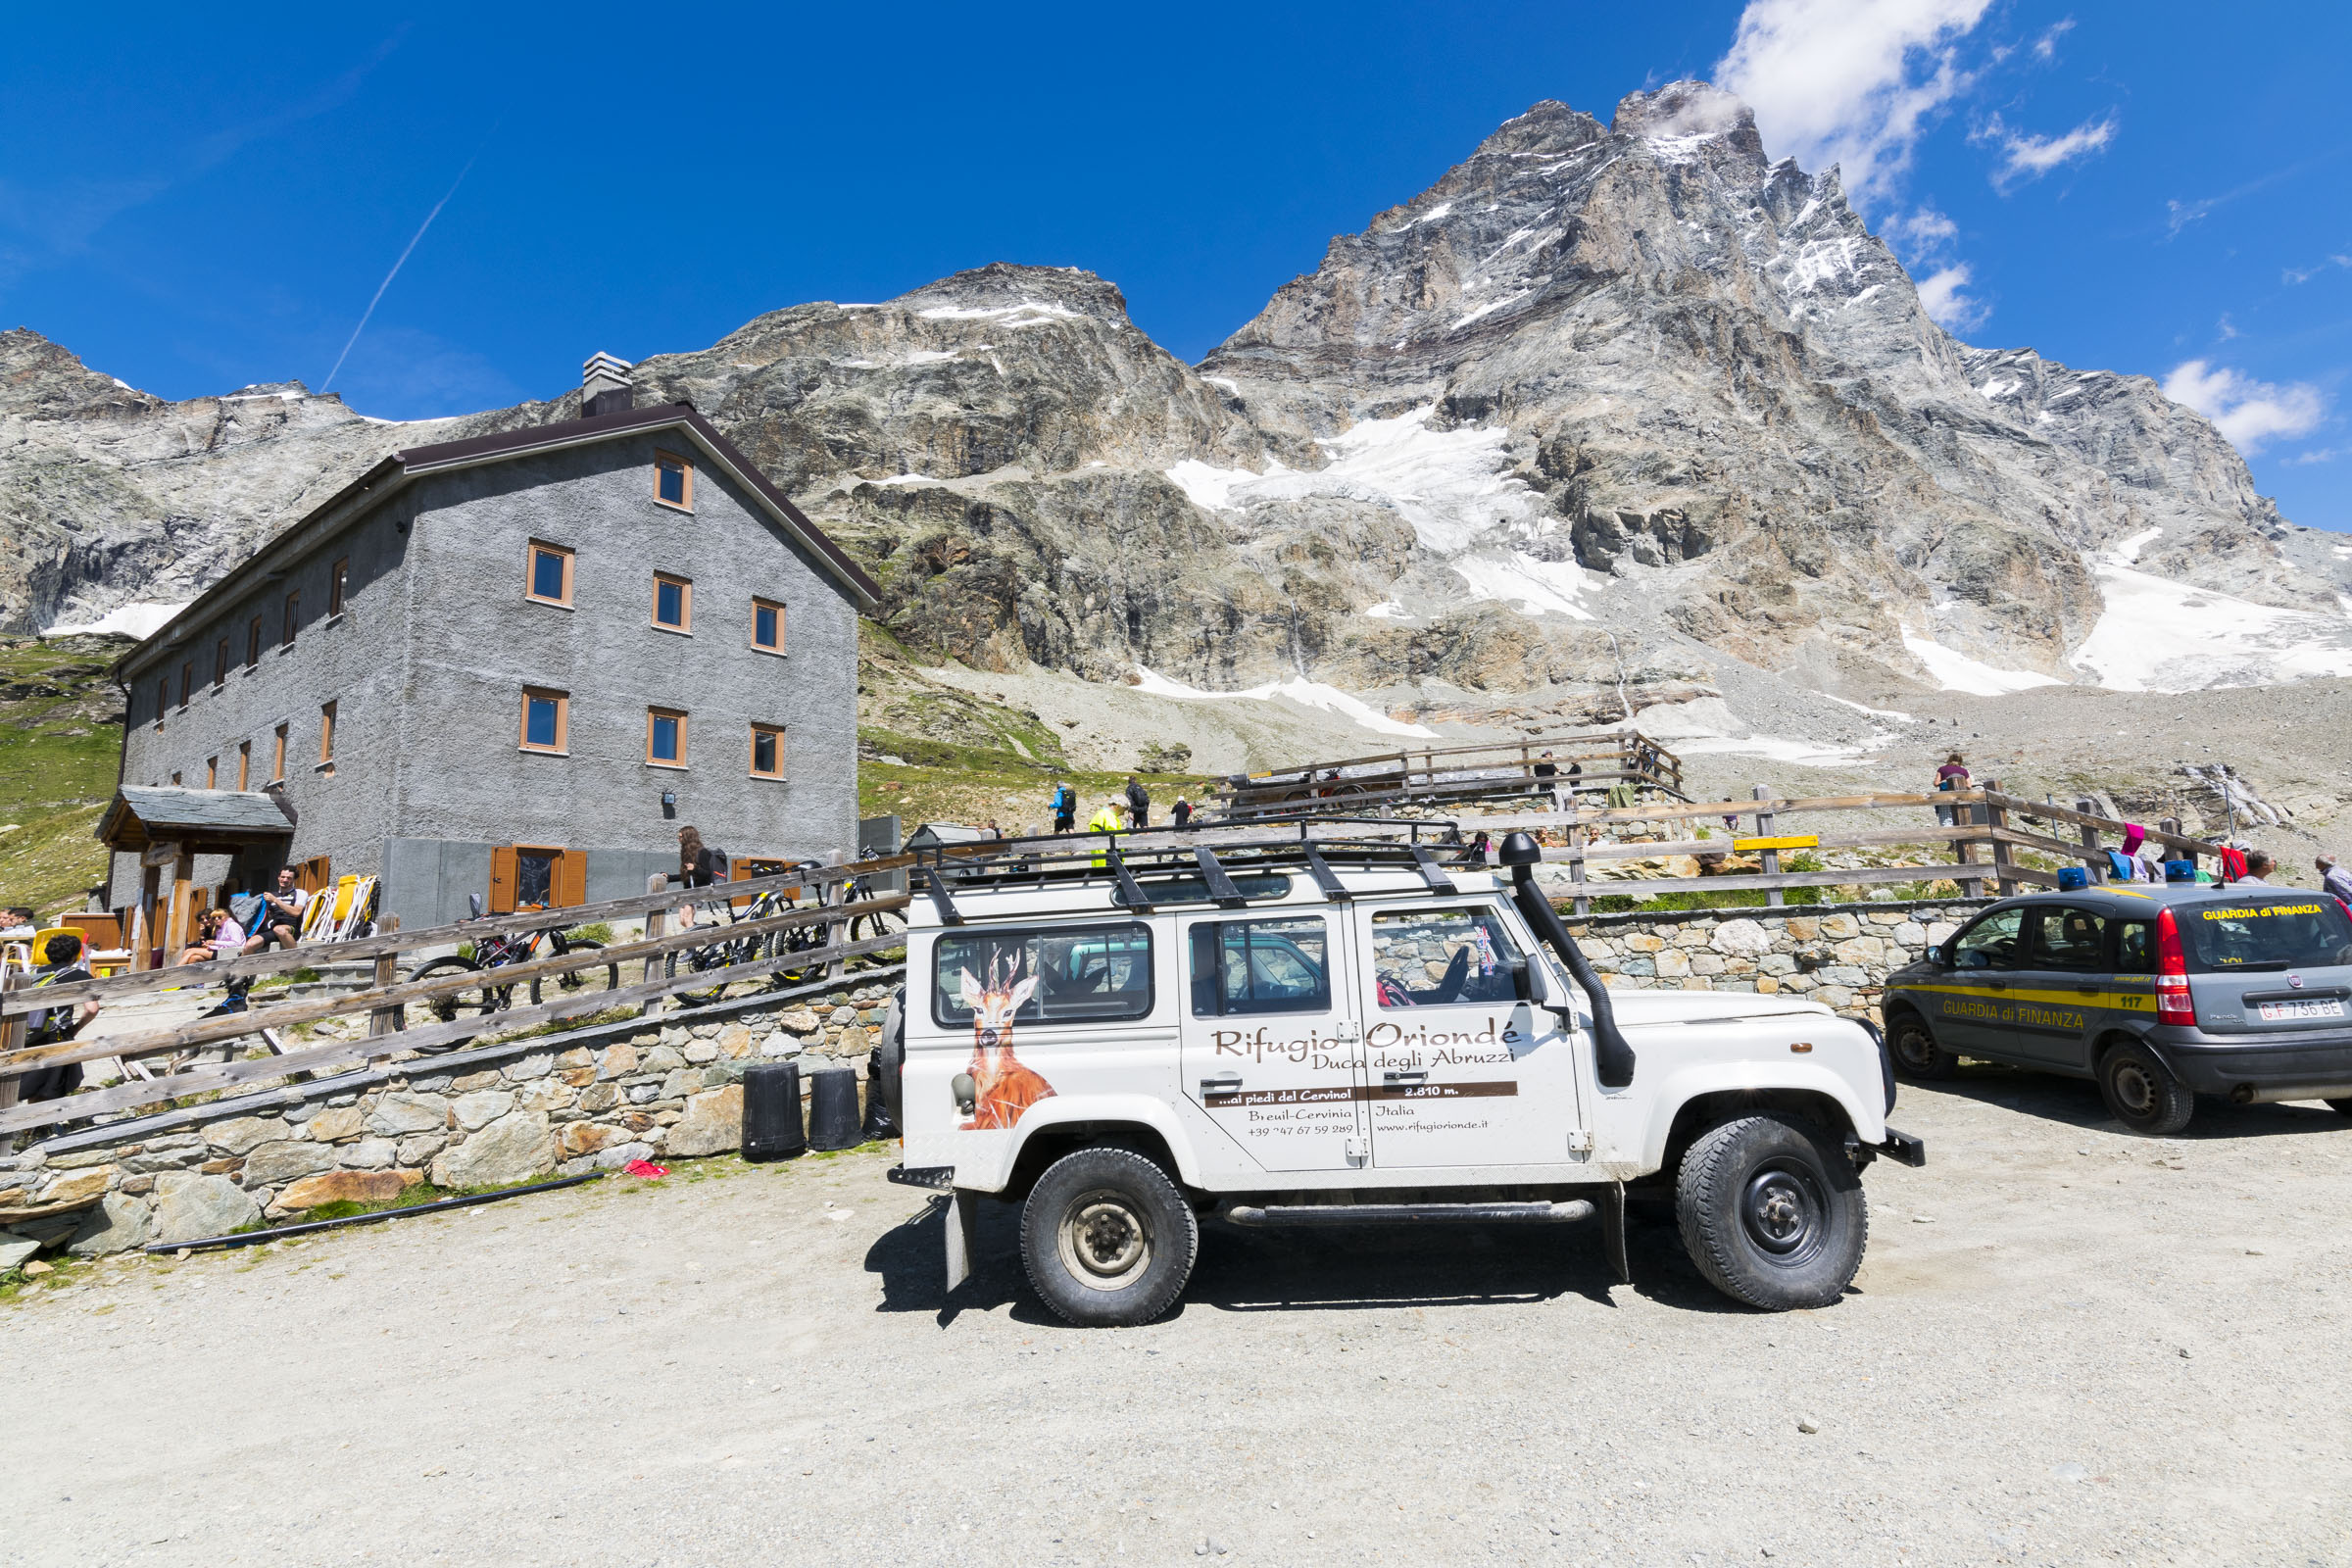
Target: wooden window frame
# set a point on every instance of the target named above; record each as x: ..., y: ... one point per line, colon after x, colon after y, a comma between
x: 211, y: 771
x: 530, y: 572
x: 244, y: 766
x: 187, y: 683
x: 685, y: 587
x: 163, y: 701
x: 675, y: 764
x: 277, y: 765
x: 221, y: 663
x: 253, y: 643
x: 780, y: 732
x: 775, y: 648
x: 686, y: 467
x: 337, y: 578
x: 563, y: 701
x: 175, y: 781
x: 326, y: 736
x: 292, y: 622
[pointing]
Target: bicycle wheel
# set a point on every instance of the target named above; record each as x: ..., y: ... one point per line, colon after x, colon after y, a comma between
x: 694, y: 961
x: 452, y: 1006
x: 570, y: 981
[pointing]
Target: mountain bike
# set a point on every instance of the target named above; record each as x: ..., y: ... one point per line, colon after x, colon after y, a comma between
x: 815, y: 936
x: 494, y: 953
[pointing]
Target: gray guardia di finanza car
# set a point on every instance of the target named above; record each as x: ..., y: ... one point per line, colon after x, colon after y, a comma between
x: 2159, y: 992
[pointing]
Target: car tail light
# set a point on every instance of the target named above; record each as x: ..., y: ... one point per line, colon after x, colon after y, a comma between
x: 2174, y: 1005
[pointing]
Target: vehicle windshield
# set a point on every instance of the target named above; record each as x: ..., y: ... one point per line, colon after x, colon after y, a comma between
x: 2224, y: 939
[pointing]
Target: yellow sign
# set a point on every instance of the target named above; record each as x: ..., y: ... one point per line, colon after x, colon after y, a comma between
x: 1788, y: 841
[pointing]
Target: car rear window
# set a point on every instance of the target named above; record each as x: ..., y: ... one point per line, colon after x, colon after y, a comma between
x: 2223, y: 938
x: 1064, y: 974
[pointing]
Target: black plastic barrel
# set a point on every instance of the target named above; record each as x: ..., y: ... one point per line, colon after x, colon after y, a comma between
x: 833, y: 1109
x: 771, y: 1111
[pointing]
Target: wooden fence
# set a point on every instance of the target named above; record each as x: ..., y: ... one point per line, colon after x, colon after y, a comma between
x: 1454, y: 775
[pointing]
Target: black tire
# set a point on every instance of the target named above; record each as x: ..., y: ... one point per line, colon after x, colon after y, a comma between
x: 569, y: 982
x: 2342, y: 1108
x: 693, y: 961
x: 2141, y: 1092
x: 458, y: 1004
x: 1772, y: 1213
x: 1107, y: 1239
x: 1917, y: 1056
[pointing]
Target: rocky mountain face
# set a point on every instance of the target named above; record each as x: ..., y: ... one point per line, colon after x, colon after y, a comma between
x: 1607, y: 406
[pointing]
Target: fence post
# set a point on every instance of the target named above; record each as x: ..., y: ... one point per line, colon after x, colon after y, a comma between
x: 2171, y: 826
x: 837, y: 932
x: 11, y: 1038
x: 1771, y: 858
x: 383, y: 1020
x: 1574, y: 837
x: 656, y: 922
x: 1996, y: 818
x: 2092, y: 861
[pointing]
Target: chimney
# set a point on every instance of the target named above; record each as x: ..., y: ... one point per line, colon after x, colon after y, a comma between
x: 605, y: 386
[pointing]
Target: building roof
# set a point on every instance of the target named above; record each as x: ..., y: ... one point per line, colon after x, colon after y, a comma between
x: 141, y: 817
x: 402, y: 467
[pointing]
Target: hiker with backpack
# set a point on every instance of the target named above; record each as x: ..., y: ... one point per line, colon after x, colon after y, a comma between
x: 1139, y: 802
x: 54, y: 1026
x: 1065, y: 806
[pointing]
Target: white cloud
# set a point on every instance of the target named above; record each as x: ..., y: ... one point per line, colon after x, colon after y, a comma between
x: 2249, y: 413
x: 2024, y: 156
x: 2322, y: 454
x: 1922, y: 234
x: 1852, y: 82
x: 2046, y: 47
x: 1940, y: 297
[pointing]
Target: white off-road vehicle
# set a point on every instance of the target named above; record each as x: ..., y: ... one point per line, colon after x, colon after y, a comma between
x: 1327, y: 1030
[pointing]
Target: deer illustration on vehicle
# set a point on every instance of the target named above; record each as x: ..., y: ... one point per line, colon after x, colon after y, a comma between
x: 1002, y: 1087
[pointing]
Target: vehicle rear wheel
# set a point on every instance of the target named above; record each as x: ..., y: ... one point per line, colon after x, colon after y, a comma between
x: 2342, y: 1108
x: 2141, y: 1092
x: 1771, y: 1213
x: 1107, y: 1239
x: 1917, y: 1056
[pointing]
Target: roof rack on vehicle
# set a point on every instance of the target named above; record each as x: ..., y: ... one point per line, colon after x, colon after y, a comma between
x: 1146, y: 867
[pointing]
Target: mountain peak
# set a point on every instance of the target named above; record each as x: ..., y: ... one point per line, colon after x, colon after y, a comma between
x: 1688, y: 111
x: 1009, y: 286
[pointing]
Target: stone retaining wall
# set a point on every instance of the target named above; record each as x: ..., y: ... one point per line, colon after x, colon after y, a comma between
x: 1837, y: 955
x: 485, y: 1117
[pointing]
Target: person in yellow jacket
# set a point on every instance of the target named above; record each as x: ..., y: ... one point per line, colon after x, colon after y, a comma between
x: 1109, y: 817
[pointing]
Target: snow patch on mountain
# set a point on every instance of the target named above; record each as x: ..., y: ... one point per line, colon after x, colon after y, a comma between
x: 2157, y: 635
x: 1954, y: 671
x: 1307, y: 693
x: 143, y: 620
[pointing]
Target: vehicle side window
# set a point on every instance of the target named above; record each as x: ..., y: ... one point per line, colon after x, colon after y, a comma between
x: 2135, y: 947
x: 2067, y: 939
x: 1260, y: 966
x: 1436, y: 957
x: 1990, y: 944
x: 1064, y: 974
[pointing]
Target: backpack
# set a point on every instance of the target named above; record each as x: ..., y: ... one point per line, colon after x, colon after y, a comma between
x: 719, y: 862
x: 246, y: 909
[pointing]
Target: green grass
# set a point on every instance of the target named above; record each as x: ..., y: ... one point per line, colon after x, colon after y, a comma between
x: 61, y: 739
x: 597, y: 931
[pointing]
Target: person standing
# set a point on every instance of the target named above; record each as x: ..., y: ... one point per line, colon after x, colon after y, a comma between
x: 2335, y: 878
x: 1952, y: 776
x: 1181, y: 813
x: 2258, y: 868
x: 1547, y: 780
x: 698, y: 866
x: 1139, y: 803
x: 1065, y: 806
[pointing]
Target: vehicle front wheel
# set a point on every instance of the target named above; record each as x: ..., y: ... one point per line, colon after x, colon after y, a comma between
x: 1917, y: 1056
x: 2342, y: 1108
x: 2141, y: 1092
x: 1771, y: 1213
x: 1107, y: 1239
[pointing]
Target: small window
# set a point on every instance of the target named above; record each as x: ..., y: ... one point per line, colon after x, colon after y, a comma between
x: 551, y: 575
x: 175, y: 781
x: 767, y: 625
x: 1066, y: 974
x: 212, y: 772
x: 536, y: 876
x: 277, y: 756
x: 326, y: 734
x: 293, y: 621
x: 221, y: 663
x: 1439, y: 957
x: 334, y: 586
x: 673, y: 482
x: 767, y: 750
x: 546, y: 721
x: 1279, y: 965
x: 674, y: 603
x: 2135, y: 947
x: 253, y: 642
x: 244, y: 766
x: 2068, y: 939
x: 665, y: 737
x: 162, y: 701
x: 187, y: 685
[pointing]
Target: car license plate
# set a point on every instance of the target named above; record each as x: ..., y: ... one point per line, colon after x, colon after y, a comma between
x: 2272, y: 1012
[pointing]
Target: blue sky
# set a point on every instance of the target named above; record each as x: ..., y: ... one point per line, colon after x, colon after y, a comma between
x: 194, y: 200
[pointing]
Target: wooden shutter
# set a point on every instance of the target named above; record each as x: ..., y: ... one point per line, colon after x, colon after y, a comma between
x: 567, y: 884
x: 502, y: 880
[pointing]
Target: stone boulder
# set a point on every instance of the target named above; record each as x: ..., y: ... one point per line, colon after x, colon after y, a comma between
x: 396, y: 1113
x: 334, y: 1125
x: 117, y: 1225
x: 189, y: 1208
x: 1741, y: 938
x: 709, y: 1125
x: 345, y: 1186
x: 479, y: 1110
x: 240, y: 1135
x: 516, y: 1148
x: 273, y: 1165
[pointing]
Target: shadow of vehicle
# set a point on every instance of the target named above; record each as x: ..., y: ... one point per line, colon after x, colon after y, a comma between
x: 1247, y: 1269
x: 2075, y: 1103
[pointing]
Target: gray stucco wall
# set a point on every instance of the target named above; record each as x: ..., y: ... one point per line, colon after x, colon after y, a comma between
x: 428, y: 660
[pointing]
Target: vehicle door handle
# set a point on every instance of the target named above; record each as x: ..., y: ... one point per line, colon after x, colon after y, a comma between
x: 1996, y: 985
x: 1406, y: 1077
x: 1221, y: 1083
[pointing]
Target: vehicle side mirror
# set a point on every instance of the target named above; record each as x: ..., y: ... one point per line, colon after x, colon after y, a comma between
x: 966, y: 1093
x: 1527, y: 981
x: 1943, y: 954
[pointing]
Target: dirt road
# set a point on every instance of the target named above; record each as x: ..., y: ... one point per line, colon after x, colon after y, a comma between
x: 2068, y: 1345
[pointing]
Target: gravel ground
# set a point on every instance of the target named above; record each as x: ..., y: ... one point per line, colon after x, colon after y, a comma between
x: 2068, y: 1345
